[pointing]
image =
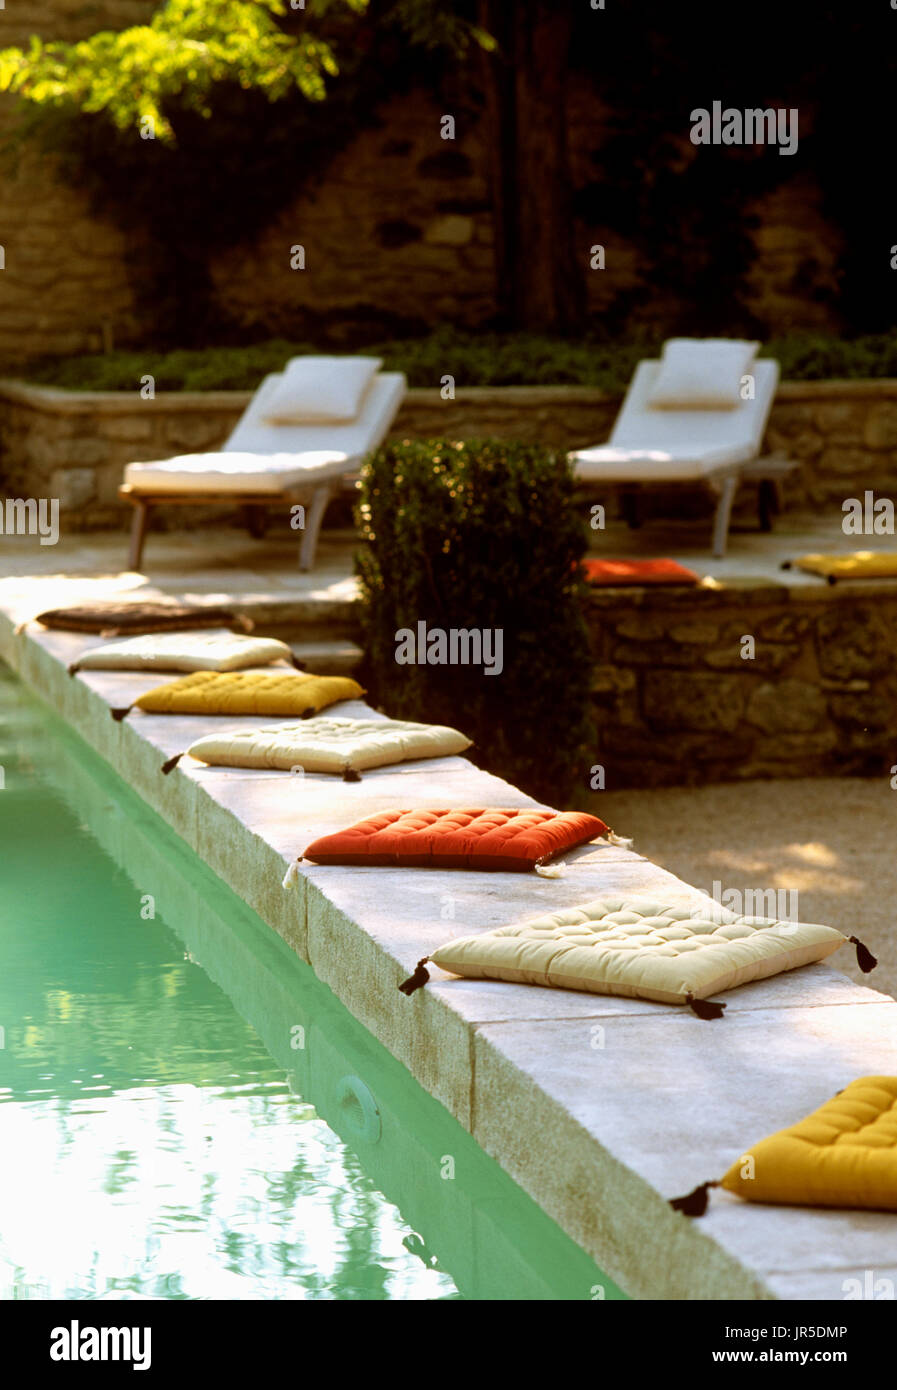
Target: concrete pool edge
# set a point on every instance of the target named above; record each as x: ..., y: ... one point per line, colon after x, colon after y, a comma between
x: 608, y: 1207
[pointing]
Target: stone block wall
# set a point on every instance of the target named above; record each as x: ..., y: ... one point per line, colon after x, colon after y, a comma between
x: 399, y: 231
x: 65, y: 286
x: 678, y: 703
x: 75, y: 445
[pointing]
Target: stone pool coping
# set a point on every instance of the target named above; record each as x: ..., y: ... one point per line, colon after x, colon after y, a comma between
x: 600, y: 1108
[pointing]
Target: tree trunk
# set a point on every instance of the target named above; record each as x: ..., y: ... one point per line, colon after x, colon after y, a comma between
x: 540, y: 275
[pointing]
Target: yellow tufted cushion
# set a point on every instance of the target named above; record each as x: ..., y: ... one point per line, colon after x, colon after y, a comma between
x: 249, y: 692
x: 640, y: 948
x: 330, y: 745
x: 843, y: 1155
x: 862, y: 564
x: 184, y: 651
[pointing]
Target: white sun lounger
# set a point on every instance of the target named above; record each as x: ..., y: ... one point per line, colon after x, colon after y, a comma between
x: 262, y: 464
x: 713, y: 448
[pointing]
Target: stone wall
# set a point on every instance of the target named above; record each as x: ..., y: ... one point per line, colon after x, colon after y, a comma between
x: 678, y: 703
x: 65, y: 286
x: 399, y: 232
x: 75, y: 445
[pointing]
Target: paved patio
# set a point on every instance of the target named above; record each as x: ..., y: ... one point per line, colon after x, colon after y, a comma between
x: 225, y: 564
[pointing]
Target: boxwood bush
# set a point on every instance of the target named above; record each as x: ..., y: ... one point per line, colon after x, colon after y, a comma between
x: 474, y: 359
x: 482, y: 535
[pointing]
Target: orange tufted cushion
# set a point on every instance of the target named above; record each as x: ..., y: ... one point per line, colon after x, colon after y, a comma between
x: 614, y: 573
x: 484, y: 839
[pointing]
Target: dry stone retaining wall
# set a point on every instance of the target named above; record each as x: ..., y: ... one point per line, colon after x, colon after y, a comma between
x: 74, y: 446
x: 678, y: 702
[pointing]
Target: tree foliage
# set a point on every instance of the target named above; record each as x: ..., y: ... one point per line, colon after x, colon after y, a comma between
x: 191, y: 46
x: 188, y: 47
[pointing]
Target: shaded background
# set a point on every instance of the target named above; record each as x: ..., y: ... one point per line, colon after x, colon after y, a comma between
x: 574, y: 134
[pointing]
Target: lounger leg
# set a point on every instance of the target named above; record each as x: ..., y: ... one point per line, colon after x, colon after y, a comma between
x: 313, y: 519
x: 256, y: 522
x: 728, y: 488
x: 629, y: 502
x: 138, y: 534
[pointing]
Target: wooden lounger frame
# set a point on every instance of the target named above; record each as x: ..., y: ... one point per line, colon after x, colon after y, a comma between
x: 768, y: 472
x: 256, y: 504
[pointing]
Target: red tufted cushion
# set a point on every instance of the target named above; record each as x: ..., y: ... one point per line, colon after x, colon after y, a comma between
x: 515, y: 840
x: 614, y: 573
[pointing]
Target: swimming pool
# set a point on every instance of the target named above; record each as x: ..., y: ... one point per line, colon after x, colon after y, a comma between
x: 185, y: 1111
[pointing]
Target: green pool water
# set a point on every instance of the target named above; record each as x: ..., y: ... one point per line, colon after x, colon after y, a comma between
x: 185, y: 1111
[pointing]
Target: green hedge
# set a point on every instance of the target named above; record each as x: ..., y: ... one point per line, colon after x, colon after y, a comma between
x: 474, y: 359
x: 482, y: 535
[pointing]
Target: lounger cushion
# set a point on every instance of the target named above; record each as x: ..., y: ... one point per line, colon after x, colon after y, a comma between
x: 321, y: 390
x: 640, y: 948
x: 701, y: 374
x: 616, y: 573
x: 108, y: 618
x: 201, y: 651
x: 649, y: 445
x: 277, y: 458
x: 862, y: 564
x: 514, y: 840
x: 677, y: 462
x: 843, y: 1155
x: 236, y: 472
x: 249, y: 692
x: 330, y: 745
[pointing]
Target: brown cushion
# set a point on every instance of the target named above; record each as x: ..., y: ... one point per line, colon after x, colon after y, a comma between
x: 111, y: 617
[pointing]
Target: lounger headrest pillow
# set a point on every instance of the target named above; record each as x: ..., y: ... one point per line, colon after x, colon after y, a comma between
x: 321, y: 390
x: 109, y: 617
x: 701, y: 374
x: 640, y: 948
x: 508, y: 840
x: 173, y: 651
x: 246, y: 692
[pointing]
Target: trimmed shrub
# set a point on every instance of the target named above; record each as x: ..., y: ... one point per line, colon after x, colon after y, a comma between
x: 474, y: 359
x: 481, y: 535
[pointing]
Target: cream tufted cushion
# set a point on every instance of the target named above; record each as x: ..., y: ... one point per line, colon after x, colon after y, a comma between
x: 184, y: 651
x: 640, y: 948
x: 330, y: 745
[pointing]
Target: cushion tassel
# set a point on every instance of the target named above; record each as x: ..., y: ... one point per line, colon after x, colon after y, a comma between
x: 694, y: 1203
x: 291, y: 874
x: 119, y: 714
x: 619, y: 840
x: 418, y: 979
x: 351, y: 774
x: 865, y: 959
x: 704, y: 1008
x: 551, y: 870
x: 171, y: 763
